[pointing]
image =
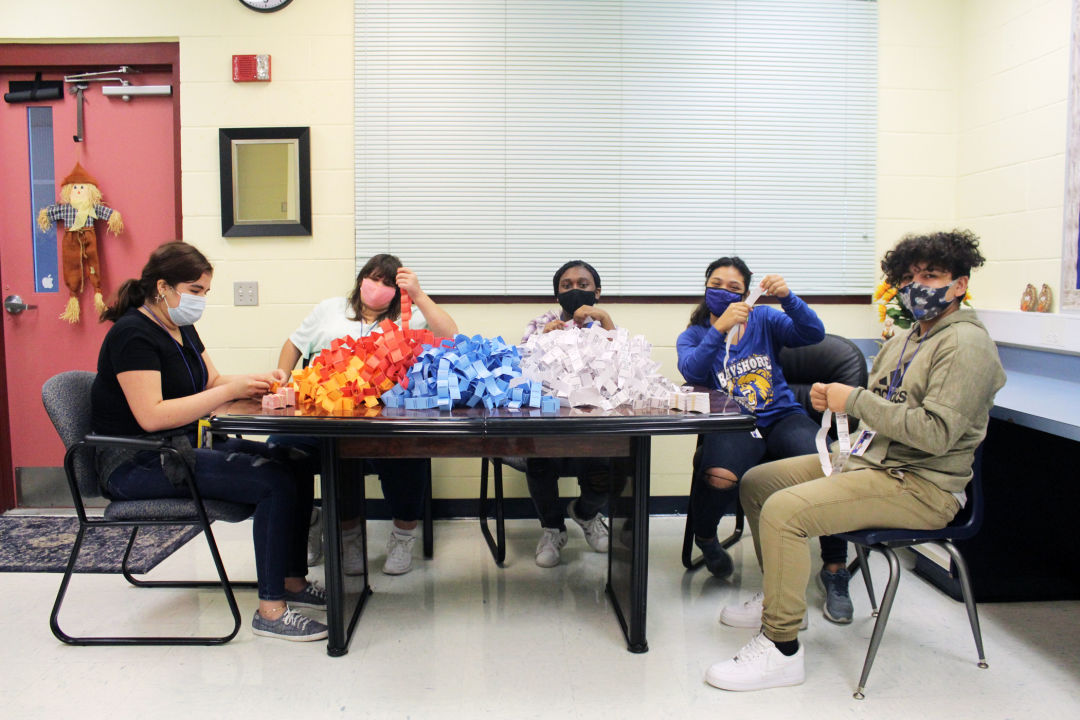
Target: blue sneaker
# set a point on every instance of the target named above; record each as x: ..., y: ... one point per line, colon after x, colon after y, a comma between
x: 290, y: 626
x: 838, y: 607
x: 716, y: 557
x: 313, y: 596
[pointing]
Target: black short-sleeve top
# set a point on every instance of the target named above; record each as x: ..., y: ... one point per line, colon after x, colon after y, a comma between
x: 137, y: 342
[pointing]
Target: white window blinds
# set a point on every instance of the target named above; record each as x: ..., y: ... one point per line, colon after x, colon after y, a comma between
x: 496, y: 139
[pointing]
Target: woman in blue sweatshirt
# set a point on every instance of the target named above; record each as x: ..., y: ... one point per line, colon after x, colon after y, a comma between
x: 747, y: 369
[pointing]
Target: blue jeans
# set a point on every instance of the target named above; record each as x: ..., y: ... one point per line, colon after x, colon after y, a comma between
x: 790, y: 436
x: 245, y: 472
x: 402, y: 480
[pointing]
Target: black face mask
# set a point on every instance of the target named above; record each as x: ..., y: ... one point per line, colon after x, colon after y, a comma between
x: 571, y: 300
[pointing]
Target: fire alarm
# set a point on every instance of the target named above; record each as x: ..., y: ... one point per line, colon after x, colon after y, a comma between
x: 251, y: 68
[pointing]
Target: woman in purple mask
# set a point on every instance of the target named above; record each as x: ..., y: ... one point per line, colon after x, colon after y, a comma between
x: 375, y: 297
x: 747, y: 369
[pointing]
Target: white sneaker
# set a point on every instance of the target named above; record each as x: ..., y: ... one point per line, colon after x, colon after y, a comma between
x: 315, y: 538
x: 758, y: 666
x: 596, y: 530
x: 748, y: 614
x: 547, y: 550
x: 398, y: 553
x: 352, y: 552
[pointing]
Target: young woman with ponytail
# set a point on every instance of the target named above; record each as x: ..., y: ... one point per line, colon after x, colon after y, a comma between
x: 156, y: 378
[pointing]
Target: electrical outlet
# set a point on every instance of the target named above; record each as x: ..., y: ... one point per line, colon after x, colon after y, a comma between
x: 246, y: 293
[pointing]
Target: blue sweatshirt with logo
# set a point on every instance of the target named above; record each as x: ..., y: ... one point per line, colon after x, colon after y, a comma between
x: 752, y: 375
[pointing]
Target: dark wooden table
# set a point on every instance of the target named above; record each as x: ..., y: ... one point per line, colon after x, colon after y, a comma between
x: 475, y: 432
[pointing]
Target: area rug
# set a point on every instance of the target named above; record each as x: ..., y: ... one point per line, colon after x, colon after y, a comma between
x: 34, y: 543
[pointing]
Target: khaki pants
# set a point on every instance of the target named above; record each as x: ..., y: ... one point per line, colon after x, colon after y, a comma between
x: 788, y: 501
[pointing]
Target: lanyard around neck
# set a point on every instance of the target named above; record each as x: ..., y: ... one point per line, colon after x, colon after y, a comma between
x: 202, y: 365
x: 897, y: 378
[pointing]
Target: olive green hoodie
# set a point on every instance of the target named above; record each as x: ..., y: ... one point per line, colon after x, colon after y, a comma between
x: 940, y: 406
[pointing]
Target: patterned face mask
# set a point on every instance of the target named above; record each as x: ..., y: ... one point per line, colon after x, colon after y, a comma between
x: 925, y: 303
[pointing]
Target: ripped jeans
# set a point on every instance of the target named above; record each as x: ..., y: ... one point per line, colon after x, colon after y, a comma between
x: 245, y: 472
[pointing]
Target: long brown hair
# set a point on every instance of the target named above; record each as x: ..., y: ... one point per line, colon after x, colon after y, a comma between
x: 174, y: 262
x: 379, y: 267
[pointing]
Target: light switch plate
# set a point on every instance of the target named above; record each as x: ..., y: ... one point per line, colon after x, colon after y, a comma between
x: 246, y: 293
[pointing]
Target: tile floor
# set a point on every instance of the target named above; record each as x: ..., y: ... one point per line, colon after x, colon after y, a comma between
x: 459, y: 637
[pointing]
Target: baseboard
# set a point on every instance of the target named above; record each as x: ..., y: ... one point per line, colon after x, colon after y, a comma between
x: 513, y: 508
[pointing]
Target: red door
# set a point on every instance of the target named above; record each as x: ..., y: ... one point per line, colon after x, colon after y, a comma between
x: 132, y: 149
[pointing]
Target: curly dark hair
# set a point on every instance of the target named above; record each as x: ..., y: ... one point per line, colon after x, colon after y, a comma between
x: 956, y: 252
x: 700, y: 315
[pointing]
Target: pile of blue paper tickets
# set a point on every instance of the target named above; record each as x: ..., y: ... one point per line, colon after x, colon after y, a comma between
x: 470, y: 372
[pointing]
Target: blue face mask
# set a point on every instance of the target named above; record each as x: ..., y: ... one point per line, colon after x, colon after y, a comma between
x: 925, y: 303
x: 189, y: 310
x: 718, y: 299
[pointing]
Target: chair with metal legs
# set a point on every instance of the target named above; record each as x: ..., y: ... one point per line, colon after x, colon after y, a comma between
x: 67, y: 401
x: 886, y: 541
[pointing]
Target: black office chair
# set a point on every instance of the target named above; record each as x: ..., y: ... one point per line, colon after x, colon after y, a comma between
x: 964, y: 526
x: 67, y: 401
x: 834, y: 359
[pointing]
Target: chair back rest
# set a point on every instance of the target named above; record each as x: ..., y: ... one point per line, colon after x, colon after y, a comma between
x: 969, y: 518
x: 67, y: 401
x: 834, y: 359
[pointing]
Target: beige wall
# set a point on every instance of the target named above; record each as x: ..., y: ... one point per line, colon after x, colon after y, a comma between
x: 971, y: 132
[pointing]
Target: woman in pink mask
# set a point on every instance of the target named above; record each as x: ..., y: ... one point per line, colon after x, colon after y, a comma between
x: 375, y: 297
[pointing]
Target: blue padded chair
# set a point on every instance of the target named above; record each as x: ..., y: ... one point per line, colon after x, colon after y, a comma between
x: 963, y: 526
x: 67, y: 401
x: 834, y: 359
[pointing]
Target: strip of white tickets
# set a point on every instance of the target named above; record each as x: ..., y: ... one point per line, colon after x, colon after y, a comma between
x: 843, y: 440
x: 750, y: 300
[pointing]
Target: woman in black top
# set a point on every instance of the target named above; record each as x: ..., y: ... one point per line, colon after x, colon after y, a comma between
x: 155, y: 377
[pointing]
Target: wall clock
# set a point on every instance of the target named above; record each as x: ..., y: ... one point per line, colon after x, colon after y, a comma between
x: 265, y: 5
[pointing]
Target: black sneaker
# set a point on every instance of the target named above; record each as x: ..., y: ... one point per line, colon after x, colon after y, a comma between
x: 290, y: 626
x: 716, y: 557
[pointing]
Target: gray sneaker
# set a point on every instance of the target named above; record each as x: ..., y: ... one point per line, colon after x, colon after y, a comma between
x: 315, y: 538
x: 547, y: 550
x: 398, y: 554
x: 838, y: 607
x: 596, y: 530
x: 352, y: 552
x: 312, y: 596
x: 290, y: 626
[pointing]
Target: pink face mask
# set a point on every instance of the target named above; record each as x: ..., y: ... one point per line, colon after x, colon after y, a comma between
x: 376, y: 295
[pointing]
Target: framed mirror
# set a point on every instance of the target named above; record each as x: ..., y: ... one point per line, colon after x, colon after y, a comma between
x: 265, y: 181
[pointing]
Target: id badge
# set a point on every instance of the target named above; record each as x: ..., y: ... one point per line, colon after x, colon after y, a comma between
x: 205, y: 438
x: 862, y: 442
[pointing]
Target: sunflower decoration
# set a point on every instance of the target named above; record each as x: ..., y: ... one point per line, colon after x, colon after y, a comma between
x: 891, y: 312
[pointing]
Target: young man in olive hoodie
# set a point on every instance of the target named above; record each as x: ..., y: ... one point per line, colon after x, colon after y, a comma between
x: 923, y: 414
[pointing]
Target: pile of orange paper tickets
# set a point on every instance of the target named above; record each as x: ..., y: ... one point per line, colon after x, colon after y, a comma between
x: 354, y: 372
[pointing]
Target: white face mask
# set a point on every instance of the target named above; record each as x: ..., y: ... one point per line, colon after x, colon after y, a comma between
x: 189, y: 310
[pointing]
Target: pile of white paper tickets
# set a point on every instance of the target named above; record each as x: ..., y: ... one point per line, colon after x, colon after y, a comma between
x: 597, y: 367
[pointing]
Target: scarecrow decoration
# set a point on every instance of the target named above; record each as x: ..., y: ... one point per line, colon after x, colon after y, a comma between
x: 79, y: 206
